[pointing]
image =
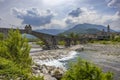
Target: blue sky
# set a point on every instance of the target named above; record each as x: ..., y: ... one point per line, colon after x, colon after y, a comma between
x: 59, y: 14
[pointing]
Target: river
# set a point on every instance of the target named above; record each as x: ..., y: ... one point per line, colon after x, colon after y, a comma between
x: 106, y: 62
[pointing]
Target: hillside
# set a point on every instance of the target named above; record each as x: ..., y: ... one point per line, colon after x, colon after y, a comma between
x: 86, y: 29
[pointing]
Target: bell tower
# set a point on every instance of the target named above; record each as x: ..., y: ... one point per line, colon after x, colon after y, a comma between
x: 108, y: 28
x: 108, y: 31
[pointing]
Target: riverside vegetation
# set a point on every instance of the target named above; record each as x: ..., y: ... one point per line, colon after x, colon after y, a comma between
x: 15, y: 62
x: 83, y: 70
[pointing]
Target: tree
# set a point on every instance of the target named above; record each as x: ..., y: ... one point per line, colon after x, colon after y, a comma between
x: 15, y: 61
x: 18, y: 48
x: 74, y: 37
x: 83, y: 70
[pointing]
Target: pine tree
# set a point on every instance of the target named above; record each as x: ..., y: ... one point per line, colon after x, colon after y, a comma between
x: 18, y: 48
x: 15, y: 61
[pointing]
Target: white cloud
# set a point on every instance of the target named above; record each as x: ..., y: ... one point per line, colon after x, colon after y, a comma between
x: 55, y: 24
x: 114, y: 3
x: 34, y: 16
x: 93, y: 17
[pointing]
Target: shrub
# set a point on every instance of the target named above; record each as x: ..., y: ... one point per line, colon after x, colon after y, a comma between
x: 1, y: 36
x: 83, y: 70
x: 18, y: 48
x: 10, y: 70
x: 15, y: 62
x: 61, y: 42
x: 40, y: 42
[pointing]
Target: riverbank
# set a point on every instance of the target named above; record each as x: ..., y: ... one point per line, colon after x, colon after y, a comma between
x: 107, y: 49
x: 107, y: 56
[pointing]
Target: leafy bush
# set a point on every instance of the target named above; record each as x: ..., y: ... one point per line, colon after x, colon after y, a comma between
x: 16, y: 48
x: 83, y: 70
x: 1, y: 36
x: 10, y: 70
x: 61, y: 42
x: 40, y: 42
x: 117, y: 39
x: 15, y: 62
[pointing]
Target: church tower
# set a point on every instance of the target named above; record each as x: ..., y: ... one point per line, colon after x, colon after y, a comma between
x: 108, y: 29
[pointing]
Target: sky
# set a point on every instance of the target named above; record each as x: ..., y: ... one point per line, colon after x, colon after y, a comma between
x: 59, y: 14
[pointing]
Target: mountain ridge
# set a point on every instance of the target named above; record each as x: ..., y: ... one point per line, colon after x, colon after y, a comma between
x: 86, y: 28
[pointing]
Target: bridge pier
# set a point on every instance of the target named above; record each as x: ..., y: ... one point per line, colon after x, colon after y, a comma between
x: 68, y: 42
x: 50, y: 44
x: 54, y: 43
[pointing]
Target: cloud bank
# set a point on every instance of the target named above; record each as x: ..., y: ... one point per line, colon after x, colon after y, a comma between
x: 75, y: 13
x: 33, y: 16
x: 114, y: 3
x: 93, y: 17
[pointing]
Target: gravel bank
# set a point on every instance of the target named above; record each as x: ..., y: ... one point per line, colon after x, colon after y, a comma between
x: 108, y: 56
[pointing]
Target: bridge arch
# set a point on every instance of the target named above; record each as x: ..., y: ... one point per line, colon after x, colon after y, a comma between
x: 50, y: 41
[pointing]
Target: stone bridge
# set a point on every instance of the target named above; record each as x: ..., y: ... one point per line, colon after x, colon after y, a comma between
x: 50, y: 41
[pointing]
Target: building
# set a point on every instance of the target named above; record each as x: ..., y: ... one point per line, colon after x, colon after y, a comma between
x: 104, y: 35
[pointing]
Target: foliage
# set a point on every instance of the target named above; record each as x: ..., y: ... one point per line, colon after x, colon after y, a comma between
x: 61, y: 42
x: 40, y: 42
x: 32, y: 39
x: 112, y: 40
x: 10, y: 70
x: 62, y: 35
x: 1, y: 36
x: 83, y: 70
x: 116, y: 39
x: 15, y: 61
x: 104, y: 42
x: 18, y: 48
x: 74, y: 37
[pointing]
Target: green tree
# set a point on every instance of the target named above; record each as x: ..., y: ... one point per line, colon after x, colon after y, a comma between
x: 15, y: 61
x: 74, y: 37
x: 18, y: 48
x: 83, y: 70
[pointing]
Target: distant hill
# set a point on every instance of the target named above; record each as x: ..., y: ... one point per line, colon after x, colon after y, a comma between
x: 51, y: 31
x: 86, y: 28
